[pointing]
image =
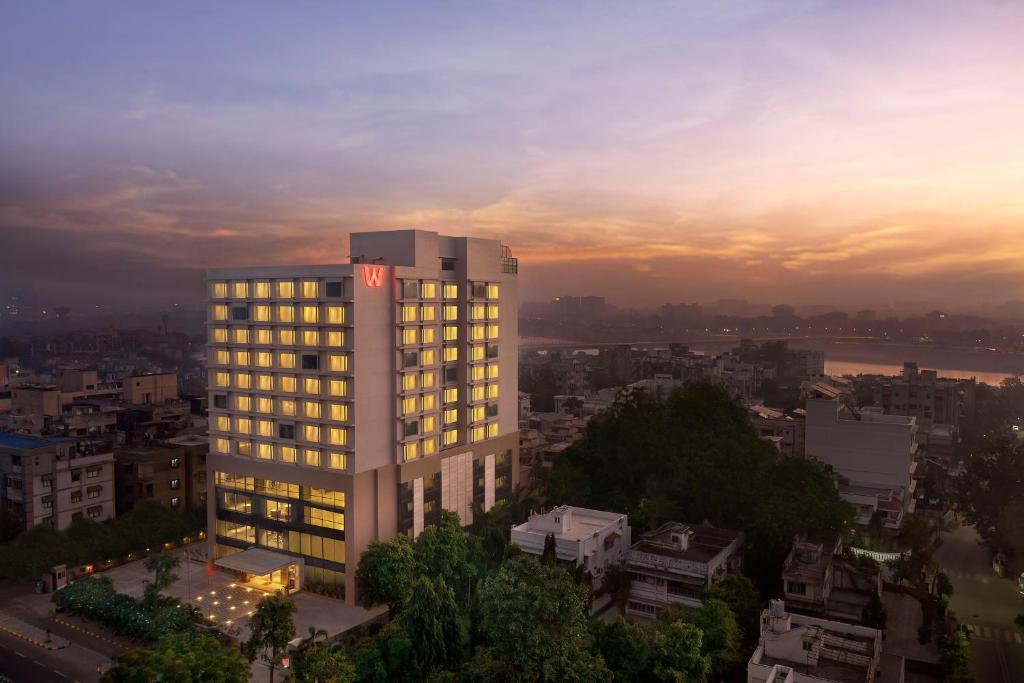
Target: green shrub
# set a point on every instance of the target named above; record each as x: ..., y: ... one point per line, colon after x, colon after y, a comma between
x: 95, y: 599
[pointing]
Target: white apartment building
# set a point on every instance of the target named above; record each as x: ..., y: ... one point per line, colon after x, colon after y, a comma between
x: 592, y: 539
x: 803, y: 649
x: 873, y: 454
x: 353, y: 402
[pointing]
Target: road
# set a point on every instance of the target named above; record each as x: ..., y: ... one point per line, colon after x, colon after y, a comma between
x: 988, y: 603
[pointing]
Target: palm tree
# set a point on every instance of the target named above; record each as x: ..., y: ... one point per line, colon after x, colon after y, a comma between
x: 162, y: 566
x: 315, y: 634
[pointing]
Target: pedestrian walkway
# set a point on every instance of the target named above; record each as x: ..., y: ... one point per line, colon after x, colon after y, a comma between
x: 31, y: 634
x: 1007, y: 635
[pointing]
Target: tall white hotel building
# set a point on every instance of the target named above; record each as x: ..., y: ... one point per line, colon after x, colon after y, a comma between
x: 353, y: 402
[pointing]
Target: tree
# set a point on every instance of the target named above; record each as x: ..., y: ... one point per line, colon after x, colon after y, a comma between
x: 874, y: 613
x: 534, y: 624
x: 676, y: 654
x: 721, y: 635
x: 549, y: 556
x: 10, y: 525
x: 162, y: 566
x: 625, y: 648
x: 434, y: 625
x: 323, y: 663
x: 271, y: 627
x: 385, y: 573
x: 443, y: 552
x: 993, y: 480
x: 182, y: 658
x: 740, y: 594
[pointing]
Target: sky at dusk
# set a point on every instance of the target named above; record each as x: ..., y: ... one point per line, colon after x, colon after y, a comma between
x: 839, y: 152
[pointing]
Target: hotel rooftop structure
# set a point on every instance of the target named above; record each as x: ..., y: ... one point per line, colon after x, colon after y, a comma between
x: 353, y: 402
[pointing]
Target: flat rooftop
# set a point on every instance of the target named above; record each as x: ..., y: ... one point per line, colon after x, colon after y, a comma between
x: 705, y: 543
x: 11, y: 440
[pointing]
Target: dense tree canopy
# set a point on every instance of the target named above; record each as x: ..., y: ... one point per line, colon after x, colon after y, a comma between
x: 385, y: 572
x: 694, y: 456
x: 183, y: 658
x: 992, y: 484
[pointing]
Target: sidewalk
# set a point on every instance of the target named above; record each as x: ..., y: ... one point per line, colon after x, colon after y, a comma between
x: 29, y: 633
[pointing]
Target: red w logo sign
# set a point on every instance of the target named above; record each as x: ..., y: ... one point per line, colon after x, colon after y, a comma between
x: 373, y: 276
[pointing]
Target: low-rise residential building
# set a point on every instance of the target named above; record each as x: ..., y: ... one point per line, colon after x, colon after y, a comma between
x: 784, y: 430
x: 151, y: 388
x: 675, y: 565
x: 818, y: 580
x: 165, y: 472
x: 795, y: 648
x: 592, y: 539
x: 56, y: 480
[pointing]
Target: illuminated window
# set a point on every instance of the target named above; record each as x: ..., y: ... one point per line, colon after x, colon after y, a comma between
x: 492, y: 430
x: 286, y: 336
x: 476, y: 332
x: 261, y: 313
x: 219, y: 335
x: 242, y: 357
x: 243, y: 403
x: 285, y: 289
x: 476, y: 434
x: 265, y: 382
x: 337, y: 387
x: 244, y: 448
x: 477, y: 352
x: 337, y: 436
x: 260, y: 290
x: 451, y: 312
x: 451, y: 332
x: 428, y: 313
x: 221, y: 357
x: 428, y: 335
x: 336, y: 315
x: 492, y: 291
x: 222, y: 445
x: 277, y: 510
x: 311, y: 433
x: 243, y: 380
x: 240, y: 290
x: 451, y: 290
x: 219, y: 312
x: 311, y: 385
x: 310, y: 289
x: 451, y: 394
x: 410, y: 451
x: 409, y: 335
x: 492, y: 331
x: 287, y: 406
x: 223, y: 423
x: 243, y: 425
x: 476, y: 311
x: 428, y: 401
x: 339, y: 412
x: 477, y: 413
x: 265, y: 451
x: 325, y: 518
x: 311, y: 457
x: 264, y: 404
x: 310, y: 314
x: 492, y: 371
x: 427, y: 357
x: 492, y: 312
x: 408, y: 314
x: 264, y: 336
x: 451, y: 416
x: 337, y: 461
x: 428, y: 290
x: 286, y: 359
x: 287, y: 453
x: 428, y: 424
x: 409, y: 405
x: 335, y: 338
x: 219, y: 290
x: 450, y: 436
x: 221, y: 379
x: 451, y: 354
x: 287, y: 383
x: 429, y: 446
x: 492, y: 391
x: 312, y: 409
x: 477, y: 394
x: 409, y: 381
x: 427, y: 380
x: 264, y: 427
x: 264, y: 359
x: 476, y: 373
x: 286, y: 313
x: 337, y: 362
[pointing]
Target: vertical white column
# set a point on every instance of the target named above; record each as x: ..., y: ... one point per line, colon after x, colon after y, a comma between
x: 417, y: 506
x: 488, y: 482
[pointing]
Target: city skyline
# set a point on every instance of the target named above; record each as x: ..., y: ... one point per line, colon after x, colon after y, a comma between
x: 809, y: 152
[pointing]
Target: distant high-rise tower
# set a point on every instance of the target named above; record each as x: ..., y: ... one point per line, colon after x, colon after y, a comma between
x: 350, y: 403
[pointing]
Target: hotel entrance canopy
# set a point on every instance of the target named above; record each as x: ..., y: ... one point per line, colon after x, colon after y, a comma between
x: 257, y: 561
